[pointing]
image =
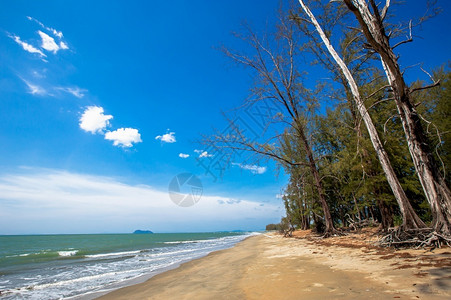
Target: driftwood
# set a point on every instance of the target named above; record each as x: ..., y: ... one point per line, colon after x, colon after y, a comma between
x: 288, y: 232
x: 414, y: 238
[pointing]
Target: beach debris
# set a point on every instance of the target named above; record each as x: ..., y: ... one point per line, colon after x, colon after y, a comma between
x: 414, y: 238
x: 288, y: 232
x: 355, y: 225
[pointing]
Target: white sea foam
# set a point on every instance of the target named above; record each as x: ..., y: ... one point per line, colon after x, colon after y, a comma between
x: 125, y: 253
x: 171, y: 253
x: 179, y: 242
x: 67, y: 253
x: 191, y: 242
x: 21, y: 255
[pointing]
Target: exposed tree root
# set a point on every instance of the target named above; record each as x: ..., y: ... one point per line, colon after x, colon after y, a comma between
x: 288, y: 232
x: 333, y: 232
x: 414, y: 238
x: 326, y: 234
x: 355, y: 225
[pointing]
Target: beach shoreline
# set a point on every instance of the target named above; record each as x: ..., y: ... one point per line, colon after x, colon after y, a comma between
x: 87, y: 266
x: 96, y: 294
x: 269, y: 266
x: 126, y: 283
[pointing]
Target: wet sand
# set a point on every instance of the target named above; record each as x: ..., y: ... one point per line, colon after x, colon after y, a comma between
x: 273, y: 267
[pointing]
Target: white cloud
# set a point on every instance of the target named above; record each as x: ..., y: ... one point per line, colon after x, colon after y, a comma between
x: 183, y: 155
x: 48, y: 43
x: 253, y: 168
x: 55, y: 32
x: 167, y: 138
x: 75, y: 91
x: 39, y: 74
x: 203, y: 153
x: 63, y: 45
x: 52, y: 201
x: 229, y: 201
x: 27, y: 47
x: 35, y: 89
x: 124, y: 137
x: 93, y: 120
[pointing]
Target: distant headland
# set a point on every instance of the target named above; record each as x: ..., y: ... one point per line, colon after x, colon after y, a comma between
x: 142, y: 231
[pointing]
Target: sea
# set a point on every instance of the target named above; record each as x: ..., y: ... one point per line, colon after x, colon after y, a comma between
x: 84, y: 266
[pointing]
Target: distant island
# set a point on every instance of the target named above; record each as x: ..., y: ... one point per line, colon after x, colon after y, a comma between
x: 142, y: 232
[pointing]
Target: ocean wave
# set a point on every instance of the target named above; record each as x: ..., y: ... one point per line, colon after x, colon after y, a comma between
x: 225, y: 238
x: 186, y: 242
x: 21, y: 255
x: 109, y: 255
x: 67, y: 253
x: 84, y: 270
x: 84, y: 282
x: 45, y: 254
x: 170, y: 253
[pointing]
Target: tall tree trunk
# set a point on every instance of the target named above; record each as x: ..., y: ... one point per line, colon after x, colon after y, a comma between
x: 432, y: 182
x: 410, y: 218
x: 307, y: 210
x: 386, y: 215
x: 305, y: 224
x: 434, y: 186
x: 300, y: 201
x: 330, y: 229
x: 359, y: 216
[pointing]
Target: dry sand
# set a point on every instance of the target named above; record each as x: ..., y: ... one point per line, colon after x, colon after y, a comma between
x: 272, y: 267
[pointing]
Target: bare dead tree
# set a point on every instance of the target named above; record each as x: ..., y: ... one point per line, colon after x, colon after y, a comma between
x: 410, y: 218
x: 371, y: 21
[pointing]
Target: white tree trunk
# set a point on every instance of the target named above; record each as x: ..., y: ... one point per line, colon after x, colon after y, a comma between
x: 410, y: 219
x: 435, y: 189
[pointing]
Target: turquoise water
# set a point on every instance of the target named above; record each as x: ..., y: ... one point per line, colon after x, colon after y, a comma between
x: 63, y: 266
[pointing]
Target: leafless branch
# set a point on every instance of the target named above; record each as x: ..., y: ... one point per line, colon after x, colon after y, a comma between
x: 378, y: 90
x: 437, y: 83
x: 430, y: 76
x: 385, y: 124
x: 379, y: 102
x: 385, y: 9
x: 438, y: 144
x: 354, y: 28
x: 408, y: 40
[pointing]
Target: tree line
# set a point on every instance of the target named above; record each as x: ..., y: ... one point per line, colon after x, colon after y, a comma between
x: 362, y: 143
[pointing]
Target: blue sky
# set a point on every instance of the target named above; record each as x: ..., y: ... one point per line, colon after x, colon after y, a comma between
x: 102, y: 101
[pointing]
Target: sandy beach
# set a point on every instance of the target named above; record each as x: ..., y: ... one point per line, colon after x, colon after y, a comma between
x: 269, y: 266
